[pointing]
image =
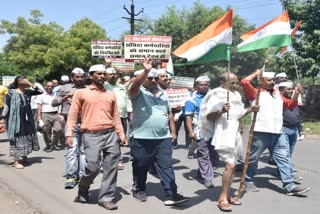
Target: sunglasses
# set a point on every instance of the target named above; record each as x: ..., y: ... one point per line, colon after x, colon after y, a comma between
x: 151, y: 78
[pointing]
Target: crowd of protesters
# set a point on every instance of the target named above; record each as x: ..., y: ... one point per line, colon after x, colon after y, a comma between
x: 92, y: 115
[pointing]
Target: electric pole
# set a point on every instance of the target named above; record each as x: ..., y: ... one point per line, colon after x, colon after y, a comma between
x: 132, y: 15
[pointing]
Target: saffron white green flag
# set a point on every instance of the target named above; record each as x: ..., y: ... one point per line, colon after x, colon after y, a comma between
x: 212, y: 44
x: 275, y: 33
x: 281, y: 50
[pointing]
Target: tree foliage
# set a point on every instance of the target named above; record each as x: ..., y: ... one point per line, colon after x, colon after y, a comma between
x: 307, y: 43
x: 35, y: 48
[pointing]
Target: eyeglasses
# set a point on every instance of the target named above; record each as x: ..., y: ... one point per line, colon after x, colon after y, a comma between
x: 153, y: 78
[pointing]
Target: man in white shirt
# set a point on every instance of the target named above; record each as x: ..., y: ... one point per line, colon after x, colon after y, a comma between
x: 50, y: 117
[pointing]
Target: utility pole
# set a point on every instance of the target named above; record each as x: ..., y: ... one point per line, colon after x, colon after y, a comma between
x: 132, y: 15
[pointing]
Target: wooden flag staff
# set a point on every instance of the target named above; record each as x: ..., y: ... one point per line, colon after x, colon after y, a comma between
x: 246, y: 162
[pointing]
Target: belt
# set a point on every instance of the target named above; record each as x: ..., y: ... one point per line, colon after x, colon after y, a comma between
x: 102, y: 131
x: 54, y: 112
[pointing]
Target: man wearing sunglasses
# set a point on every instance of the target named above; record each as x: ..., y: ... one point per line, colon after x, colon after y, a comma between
x: 151, y: 138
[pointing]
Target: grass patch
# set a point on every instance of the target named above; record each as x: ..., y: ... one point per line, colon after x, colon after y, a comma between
x: 312, y: 127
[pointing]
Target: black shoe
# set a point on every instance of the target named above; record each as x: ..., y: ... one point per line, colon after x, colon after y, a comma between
x: 298, y: 191
x: 48, y: 149
x: 140, y: 196
x: 175, y: 199
x: 83, y: 196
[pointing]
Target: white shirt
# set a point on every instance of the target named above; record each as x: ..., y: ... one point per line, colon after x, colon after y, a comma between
x: 34, y: 104
x: 46, y: 99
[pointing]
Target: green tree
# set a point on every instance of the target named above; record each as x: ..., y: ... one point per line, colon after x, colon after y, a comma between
x: 306, y: 44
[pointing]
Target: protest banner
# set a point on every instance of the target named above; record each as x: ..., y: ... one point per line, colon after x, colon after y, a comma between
x: 181, y: 82
x: 177, y: 97
x: 122, y: 66
x: 7, y: 80
x: 106, y: 48
x: 137, y: 47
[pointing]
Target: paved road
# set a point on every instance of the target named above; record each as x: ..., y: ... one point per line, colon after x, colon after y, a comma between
x: 39, y: 187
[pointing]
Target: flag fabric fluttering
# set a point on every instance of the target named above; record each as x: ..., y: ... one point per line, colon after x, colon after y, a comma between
x: 275, y: 33
x: 169, y: 66
x: 212, y: 44
x: 281, y: 50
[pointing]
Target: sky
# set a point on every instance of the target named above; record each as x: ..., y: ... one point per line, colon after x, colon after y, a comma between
x: 108, y: 13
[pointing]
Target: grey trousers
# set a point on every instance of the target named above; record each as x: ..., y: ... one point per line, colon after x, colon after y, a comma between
x: 101, y: 149
x: 52, y: 126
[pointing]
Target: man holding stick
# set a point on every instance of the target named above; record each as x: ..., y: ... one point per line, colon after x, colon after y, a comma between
x: 226, y: 136
x: 268, y: 128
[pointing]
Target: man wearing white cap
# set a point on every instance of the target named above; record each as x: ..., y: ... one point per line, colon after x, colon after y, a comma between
x: 281, y: 77
x: 291, y: 122
x: 151, y: 138
x: 204, y: 148
x: 101, y: 130
x: 163, y: 77
x: 75, y: 159
x: 123, y: 101
x: 268, y: 129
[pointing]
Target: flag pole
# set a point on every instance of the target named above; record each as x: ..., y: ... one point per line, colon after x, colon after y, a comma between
x: 250, y: 139
x: 228, y: 82
x: 295, y: 65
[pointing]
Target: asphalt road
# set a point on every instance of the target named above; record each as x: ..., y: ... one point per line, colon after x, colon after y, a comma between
x: 39, y: 188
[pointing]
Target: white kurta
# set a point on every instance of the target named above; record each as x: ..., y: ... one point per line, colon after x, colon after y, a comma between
x: 225, y: 132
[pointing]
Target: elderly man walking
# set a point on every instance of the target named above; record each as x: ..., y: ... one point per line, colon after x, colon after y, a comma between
x: 151, y: 142
x: 224, y: 127
x: 102, y: 129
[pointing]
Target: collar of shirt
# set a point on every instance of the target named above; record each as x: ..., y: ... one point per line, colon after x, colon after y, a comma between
x: 92, y: 87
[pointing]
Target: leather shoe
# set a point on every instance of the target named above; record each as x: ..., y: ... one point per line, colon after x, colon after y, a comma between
x: 109, y: 205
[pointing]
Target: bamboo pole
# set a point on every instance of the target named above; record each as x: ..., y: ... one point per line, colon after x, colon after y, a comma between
x: 250, y: 139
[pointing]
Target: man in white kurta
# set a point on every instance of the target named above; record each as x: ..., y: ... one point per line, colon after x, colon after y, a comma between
x: 223, y: 128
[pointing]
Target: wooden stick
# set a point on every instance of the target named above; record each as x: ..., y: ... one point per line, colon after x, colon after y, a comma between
x: 246, y: 162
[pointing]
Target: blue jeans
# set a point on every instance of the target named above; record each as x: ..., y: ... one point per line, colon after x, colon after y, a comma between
x: 261, y: 141
x: 146, y: 152
x: 282, y: 156
x: 75, y: 159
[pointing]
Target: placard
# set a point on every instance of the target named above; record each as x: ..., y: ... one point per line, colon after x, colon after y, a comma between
x: 106, y: 48
x: 177, y: 97
x: 181, y: 82
x: 137, y: 47
x: 7, y: 80
x: 123, y: 66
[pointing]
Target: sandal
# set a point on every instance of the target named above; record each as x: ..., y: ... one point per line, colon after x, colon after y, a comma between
x: 234, y: 201
x: 224, y: 206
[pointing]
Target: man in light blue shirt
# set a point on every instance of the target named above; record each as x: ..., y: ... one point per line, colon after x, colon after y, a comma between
x: 151, y: 139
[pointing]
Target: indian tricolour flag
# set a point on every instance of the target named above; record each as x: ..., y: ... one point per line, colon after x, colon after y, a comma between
x: 280, y: 51
x: 275, y: 33
x: 212, y: 44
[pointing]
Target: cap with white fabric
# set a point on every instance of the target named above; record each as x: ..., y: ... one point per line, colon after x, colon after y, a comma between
x: 126, y: 78
x: 281, y: 75
x: 65, y: 78
x: 268, y: 74
x: 286, y: 84
x: 169, y: 77
x: 136, y: 73
x: 77, y: 71
x: 203, y: 79
x: 153, y: 73
x: 161, y: 71
x: 111, y: 71
x: 98, y: 67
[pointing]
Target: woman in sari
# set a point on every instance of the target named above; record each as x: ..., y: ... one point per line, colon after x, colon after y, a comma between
x: 19, y: 121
